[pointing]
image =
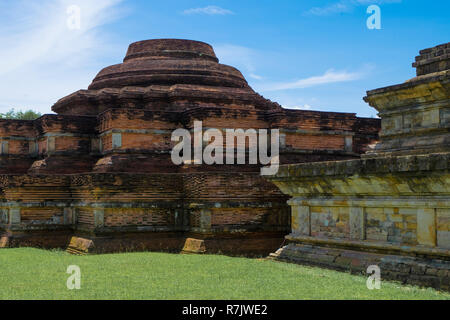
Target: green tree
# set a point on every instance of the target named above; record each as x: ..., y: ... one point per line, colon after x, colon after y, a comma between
x: 20, y: 115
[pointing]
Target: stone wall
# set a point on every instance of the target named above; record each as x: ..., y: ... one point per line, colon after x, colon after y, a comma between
x: 392, y: 207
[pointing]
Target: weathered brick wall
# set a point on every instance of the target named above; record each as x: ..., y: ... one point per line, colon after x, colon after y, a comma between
x: 231, y: 186
x: 238, y: 118
x: 249, y: 218
x: 27, y: 188
x: 52, y: 123
x: 312, y: 120
x: 22, y: 128
x: 110, y: 145
x: 19, y: 147
x: 139, y: 141
x: 126, y: 217
x: 85, y: 218
x: 75, y: 144
x: 246, y: 217
x: 432, y: 60
x: 127, y: 188
x: 315, y: 142
x: 42, y: 215
x: 195, y: 219
x: 137, y: 119
x: 16, y: 145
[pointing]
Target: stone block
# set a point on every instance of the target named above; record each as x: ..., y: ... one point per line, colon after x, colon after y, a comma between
x: 443, y: 239
x: 301, y: 220
x: 426, y: 227
x: 194, y: 246
x: 4, y: 242
x: 357, y: 223
x: 80, y: 246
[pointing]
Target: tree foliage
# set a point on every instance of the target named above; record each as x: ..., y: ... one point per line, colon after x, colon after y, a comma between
x: 20, y: 115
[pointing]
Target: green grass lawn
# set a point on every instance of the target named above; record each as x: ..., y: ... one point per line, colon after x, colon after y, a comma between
x: 28, y: 273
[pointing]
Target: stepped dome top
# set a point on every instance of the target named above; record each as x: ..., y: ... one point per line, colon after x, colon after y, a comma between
x: 169, y: 62
x: 156, y: 73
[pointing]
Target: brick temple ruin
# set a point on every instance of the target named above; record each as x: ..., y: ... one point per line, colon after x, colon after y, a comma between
x: 99, y: 171
x: 391, y: 208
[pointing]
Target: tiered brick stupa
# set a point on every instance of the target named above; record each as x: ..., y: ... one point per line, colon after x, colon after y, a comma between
x: 100, y: 168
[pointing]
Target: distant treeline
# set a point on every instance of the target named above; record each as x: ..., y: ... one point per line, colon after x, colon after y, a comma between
x: 20, y: 115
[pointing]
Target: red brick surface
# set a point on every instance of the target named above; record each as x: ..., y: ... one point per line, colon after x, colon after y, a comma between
x: 162, y: 85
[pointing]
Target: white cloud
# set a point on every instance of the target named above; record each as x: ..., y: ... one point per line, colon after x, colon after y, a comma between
x: 256, y: 77
x: 209, y: 10
x: 331, y: 9
x: 303, y: 107
x: 344, y: 6
x: 244, y: 59
x: 42, y: 59
x: 330, y: 76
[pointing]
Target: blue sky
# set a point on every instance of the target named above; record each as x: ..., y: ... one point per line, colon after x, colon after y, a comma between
x: 316, y: 55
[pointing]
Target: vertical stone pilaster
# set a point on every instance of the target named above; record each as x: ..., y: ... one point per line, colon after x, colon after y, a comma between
x: 14, y: 216
x: 74, y: 216
x: 4, y: 216
x: 99, y: 217
x: 426, y: 227
x: 95, y: 145
x: 357, y: 223
x: 116, y: 140
x: 301, y: 220
x: 68, y: 216
x: 32, y: 148
x: 181, y: 219
x: 443, y: 227
x: 348, y: 143
x: 282, y: 140
x: 205, y: 220
x: 4, y: 147
x: 51, y: 144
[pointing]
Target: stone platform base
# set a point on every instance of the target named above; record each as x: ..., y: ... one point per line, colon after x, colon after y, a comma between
x: 244, y: 245
x: 128, y: 242
x: 406, y: 269
x: 37, y: 239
